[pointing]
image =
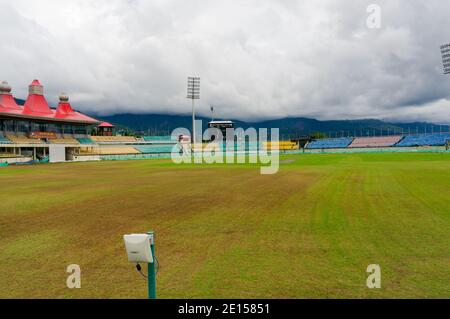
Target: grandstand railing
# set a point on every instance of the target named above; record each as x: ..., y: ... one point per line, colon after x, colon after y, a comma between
x: 160, y: 139
x: 64, y: 141
x: 157, y: 149
x: 85, y: 140
x: 114, y: 139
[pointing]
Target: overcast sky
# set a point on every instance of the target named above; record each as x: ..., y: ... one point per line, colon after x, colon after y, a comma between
x: 256, y: 58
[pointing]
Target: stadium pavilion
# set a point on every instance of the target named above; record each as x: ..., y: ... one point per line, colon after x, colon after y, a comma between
x: 34, y: 132
x: 35, y: 129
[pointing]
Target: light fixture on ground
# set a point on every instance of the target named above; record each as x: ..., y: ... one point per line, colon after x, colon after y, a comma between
x: 141, y: 249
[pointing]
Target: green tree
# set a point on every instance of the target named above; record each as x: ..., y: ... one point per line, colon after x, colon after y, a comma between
x: 318, y: 135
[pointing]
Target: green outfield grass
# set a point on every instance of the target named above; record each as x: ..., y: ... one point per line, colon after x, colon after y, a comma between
x: 226, y: 231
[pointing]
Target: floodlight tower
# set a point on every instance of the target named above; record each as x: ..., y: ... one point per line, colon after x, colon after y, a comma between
x: 193, y: 93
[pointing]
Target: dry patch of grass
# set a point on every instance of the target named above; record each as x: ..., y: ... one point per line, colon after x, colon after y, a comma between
x: 227, y: 231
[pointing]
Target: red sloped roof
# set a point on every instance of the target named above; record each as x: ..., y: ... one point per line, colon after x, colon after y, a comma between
x: 71, y: 117
x: 7, y: 103
x: 75, y: 116
x: 64, y: 108
x: 36, y: 104
x: 105, y: 124
x: 66, y: 112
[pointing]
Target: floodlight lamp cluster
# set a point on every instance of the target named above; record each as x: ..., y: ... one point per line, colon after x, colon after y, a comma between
x: 445, y: 51
x: 193, y: 88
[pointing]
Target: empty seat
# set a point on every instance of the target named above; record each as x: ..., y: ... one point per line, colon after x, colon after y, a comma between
x: 281, y: 145
x: 24, y: 140
x: 4, y: 140
x: 89, y: 150
x: 162, y: 139
x: 6, y: 155
x: 71, y: 141
x: 157, y: 149
x: 424, y: 140
x: 240, y: 146
x: 113, y: 139
x: 341, y: 142
x: 119, y: 150
x: 85, y: 140
x: 377, y: 141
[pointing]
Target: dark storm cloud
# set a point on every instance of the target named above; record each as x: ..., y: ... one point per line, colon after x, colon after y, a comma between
x: 257, y: 59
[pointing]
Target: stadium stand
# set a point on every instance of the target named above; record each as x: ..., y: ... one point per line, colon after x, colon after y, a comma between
x: 85, y: 140
x: 155, y: 149
x: 249, y: 146
x: 424, y: 140
x: 377, y: 141
x: 238, y: 146
x: 119, y: 150
x: 64, y: 141
x: 5, y: 155
x: 4, y: 140
x: 341, y: 142
x: 88, y: 150
x: 161, y: 139
x: 24, y: 140
x: 281, y: 145
x: 114, y: 139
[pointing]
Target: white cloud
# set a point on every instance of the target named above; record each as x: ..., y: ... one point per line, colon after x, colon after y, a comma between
x: 257, y: 58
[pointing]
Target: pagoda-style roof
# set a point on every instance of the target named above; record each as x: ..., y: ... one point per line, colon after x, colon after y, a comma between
x: 105, y: 124
x: 36, y: 106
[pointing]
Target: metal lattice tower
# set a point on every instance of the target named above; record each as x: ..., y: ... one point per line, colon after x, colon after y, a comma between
x: 193, y: 93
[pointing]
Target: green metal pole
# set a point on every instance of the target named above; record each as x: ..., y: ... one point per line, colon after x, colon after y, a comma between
x: 151, y: 270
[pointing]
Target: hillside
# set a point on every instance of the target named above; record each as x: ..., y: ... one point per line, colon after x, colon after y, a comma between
x: 156, y: 124
x: 164, y: 124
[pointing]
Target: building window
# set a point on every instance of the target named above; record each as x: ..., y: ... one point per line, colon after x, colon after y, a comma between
x: 80, y: 129
x: 58, y: 128
x: 9, y: 126
x: 42, y: 127
x: 51, y: 128
x: 23, y: 126
x: 67, y: 129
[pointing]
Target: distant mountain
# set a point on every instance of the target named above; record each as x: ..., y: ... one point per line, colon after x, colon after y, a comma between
x: 156, y: 124
x: 164, y: 124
